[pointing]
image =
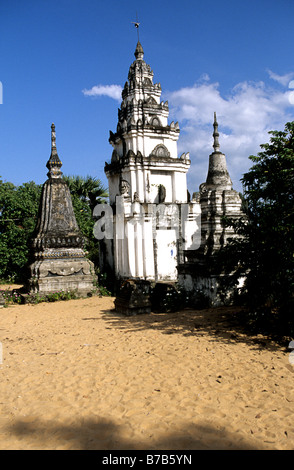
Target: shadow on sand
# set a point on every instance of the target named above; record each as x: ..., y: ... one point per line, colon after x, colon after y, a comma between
x: 219, y: 323
x: 103, y: 434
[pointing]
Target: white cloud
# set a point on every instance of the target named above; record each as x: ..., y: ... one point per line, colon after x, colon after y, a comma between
x: 245, y: 117
x: 282, y: 79
x: 112, y: 91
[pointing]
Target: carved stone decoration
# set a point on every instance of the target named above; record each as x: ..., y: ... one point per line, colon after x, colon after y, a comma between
x: 155, y: 122
x: 124, y: 188
x: 114, y: 157
x: 160, y: 151
x: 161, y: 194
x: 136, y: 197
x: 58, y: 258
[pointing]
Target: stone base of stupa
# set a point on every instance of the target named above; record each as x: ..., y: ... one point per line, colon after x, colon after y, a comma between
x: 133, y: 297
x: 62, y: 275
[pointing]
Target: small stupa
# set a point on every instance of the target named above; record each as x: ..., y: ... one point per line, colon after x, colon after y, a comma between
x: 217, y: 200
x: 59, y: 258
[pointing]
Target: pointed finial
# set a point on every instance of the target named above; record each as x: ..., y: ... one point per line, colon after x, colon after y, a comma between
x: 54, y: 164
x: 53, y: 139
x: 216, y: 145
x: 139, y: 53
x: 218, y: 177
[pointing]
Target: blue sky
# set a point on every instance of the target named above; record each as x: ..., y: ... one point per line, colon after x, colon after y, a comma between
x: 232, y: 57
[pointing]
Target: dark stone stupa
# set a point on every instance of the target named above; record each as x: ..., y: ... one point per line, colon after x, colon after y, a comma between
x: 59, y: 259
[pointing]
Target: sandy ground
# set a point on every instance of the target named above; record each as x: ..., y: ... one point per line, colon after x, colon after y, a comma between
x: 76, y: 375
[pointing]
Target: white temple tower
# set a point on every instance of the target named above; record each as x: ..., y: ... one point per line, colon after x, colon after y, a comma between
x: 153, y: 221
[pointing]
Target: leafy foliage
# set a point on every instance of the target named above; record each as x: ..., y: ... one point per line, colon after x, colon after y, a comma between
x: 265, y: 249
x: 88, y: 189
x: 52, y: 297
x: 18, y: 216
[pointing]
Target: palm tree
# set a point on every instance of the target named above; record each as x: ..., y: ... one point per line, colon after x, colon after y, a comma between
x: 86, y: 193
x: 88, y: 189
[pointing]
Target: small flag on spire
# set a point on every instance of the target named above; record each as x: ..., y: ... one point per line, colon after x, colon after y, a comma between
x: 136, y: 24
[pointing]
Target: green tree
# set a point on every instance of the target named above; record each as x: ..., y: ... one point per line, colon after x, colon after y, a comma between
x: 265, y: 249
x: 18, y: 216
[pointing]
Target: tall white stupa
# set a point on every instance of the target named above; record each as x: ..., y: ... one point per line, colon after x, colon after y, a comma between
x: 147, y: 184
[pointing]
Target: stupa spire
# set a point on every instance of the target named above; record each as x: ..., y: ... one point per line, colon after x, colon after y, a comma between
x: 139, y: 53
x: 218, y: 176
x: 53, y: 139
x: 216, y: 145
x: 54, y: 164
